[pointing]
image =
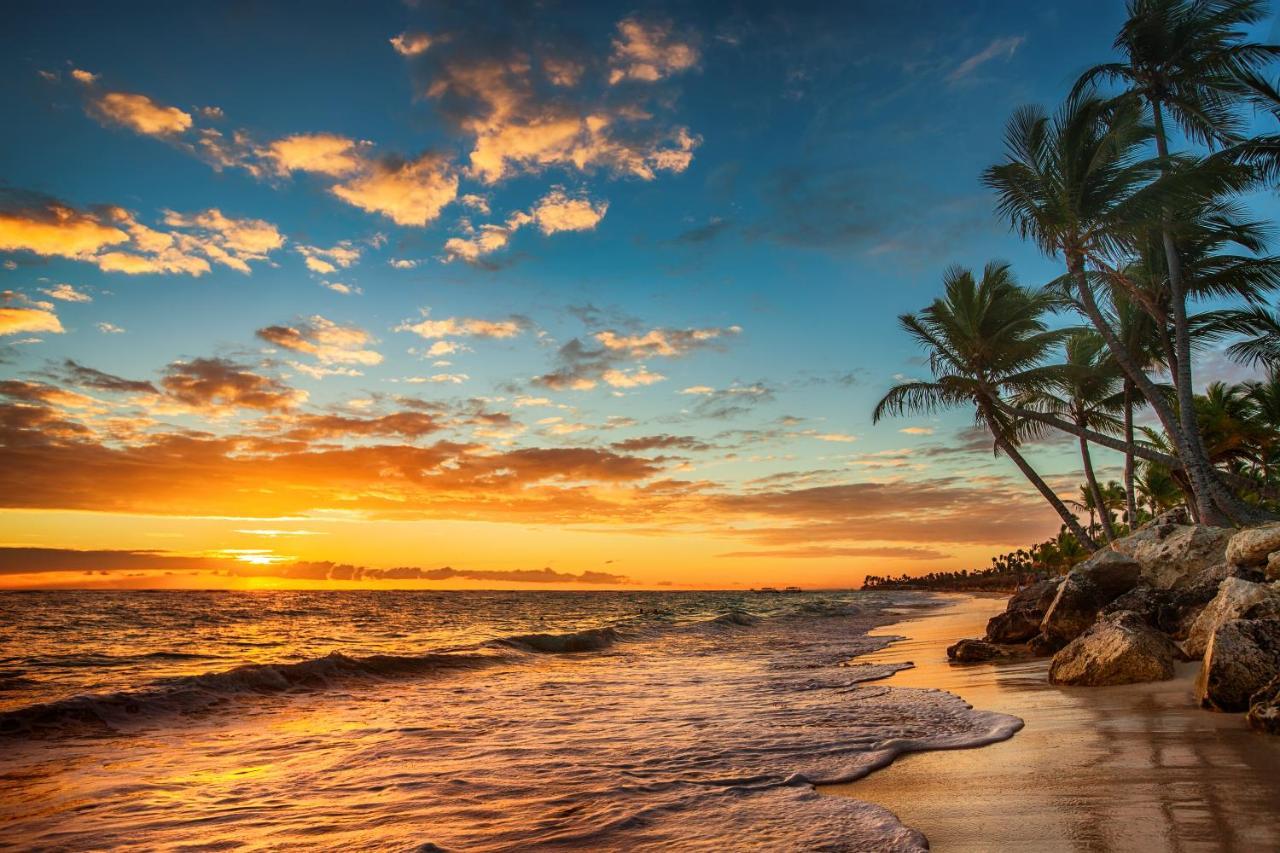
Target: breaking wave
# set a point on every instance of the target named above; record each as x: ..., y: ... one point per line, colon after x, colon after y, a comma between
x: 193, y: 693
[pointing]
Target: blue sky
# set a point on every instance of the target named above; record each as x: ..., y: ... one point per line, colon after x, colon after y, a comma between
x: 772, y: 185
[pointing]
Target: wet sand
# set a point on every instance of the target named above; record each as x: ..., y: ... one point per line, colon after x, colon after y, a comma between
x: 1133, y: 768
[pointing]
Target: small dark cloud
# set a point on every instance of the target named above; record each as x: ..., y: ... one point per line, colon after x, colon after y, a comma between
x: 660, y: 442
x: 87, y: 377
x: 703, y: 233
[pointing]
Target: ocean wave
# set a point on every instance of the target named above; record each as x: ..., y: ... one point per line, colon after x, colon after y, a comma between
x: 736, y: 617
x: 588, y: 640
x: 190, y: 693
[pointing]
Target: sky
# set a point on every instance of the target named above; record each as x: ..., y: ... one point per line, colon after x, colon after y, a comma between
x: 504, y: 295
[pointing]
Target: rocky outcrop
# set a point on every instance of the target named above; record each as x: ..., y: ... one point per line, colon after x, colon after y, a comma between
x: 1171, y: 555
x: 1273, y: 566
x: 1264, y: 708
x: 1243, y: 656
x: 1252, y: 546
x: 1120, y: 648
x: 1021, y: 619
x: 975, y: 651
x: 1156, y: 607
x: 1233, y: 598
x: 1088, y: 588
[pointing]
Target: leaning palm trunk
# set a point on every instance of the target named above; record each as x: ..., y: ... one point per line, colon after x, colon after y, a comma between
x: 1141, y: 451
x: 1072, y: 523
x: 1130, y: 497
x: 1104, y: 516
x: 1007, y: 447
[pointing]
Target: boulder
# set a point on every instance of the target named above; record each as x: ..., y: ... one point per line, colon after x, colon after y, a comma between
x: 973, y: 651
x: 1233, y: 598
x: 1173, y: 559
x: 1088, y: 587
x: 1041, y: 646
x: 1273, y: 566
x: 1253, y: 545
x: 1014, y: 626
x: 1151, y: 605
x: 1036, y: 596
x: 1243, y: 657
x: 1023, y: 614
x: 1264, y: 708
x: 1121, y: 648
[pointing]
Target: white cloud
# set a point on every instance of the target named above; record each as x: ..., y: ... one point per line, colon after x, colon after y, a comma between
x: 1001, y: 47
x: 66, y: 293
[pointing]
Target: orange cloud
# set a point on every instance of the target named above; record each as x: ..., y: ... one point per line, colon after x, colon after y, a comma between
x: 408, y: 192
x: 517, y: 130
x: 218, y: 384
x: 411, y: 43
x: 19, y: 314
x: 452, y: 327
x: 664, y: 342
x: 648, y: 52
x: 140, y: 114
x: 47, y: 227
x: 115, y: 241
x: 554, y: 212
x: 66, y: 293
x: 558, y: 212
x: 631, y: 378
x: 329, y: 342
x: 321, y: 153
x: 330, y: 260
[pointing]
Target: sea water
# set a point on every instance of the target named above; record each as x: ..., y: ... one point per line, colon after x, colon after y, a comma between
x: 411, y: 720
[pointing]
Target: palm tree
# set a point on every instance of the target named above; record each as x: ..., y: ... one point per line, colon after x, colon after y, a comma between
x: 1157, y: 488
x: 984, y: 339
x: 1260, y: 328
x: 1077, y: 186
x: 1187, y: 59
x: 1086, y: 388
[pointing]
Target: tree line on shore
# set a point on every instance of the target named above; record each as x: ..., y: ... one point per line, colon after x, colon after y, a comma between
x: 1137, y: 183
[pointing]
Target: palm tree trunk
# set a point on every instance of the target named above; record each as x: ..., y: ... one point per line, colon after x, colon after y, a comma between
x: 1104, y: 516
x: 1217, y: 504
x: 1068, y: 519
x: 1196, y: 473
x: 1130, y: 498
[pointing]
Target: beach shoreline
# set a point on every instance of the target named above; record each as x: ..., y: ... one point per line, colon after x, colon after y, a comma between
x: 1132, y: 767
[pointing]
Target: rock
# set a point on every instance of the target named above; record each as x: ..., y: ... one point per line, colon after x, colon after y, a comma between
x: 1161, y: 609
x: 1120, y: 648
x: 1253, y: 545
x: 972, y: 651
x: 1023, y: 614
x: 1243, y: 657
x: 1233, y: 598
x: 1036, y: 596
x: 1014, y: 626
x: 1185, y: 550
x: 1090, y: 586
x: 1041, y: 646
x: 1267, y: 608
x: 1264, y: 708
x: 1273, y: 566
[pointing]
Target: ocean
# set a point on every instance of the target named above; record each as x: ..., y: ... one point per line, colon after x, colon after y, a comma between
x: 467, y: 721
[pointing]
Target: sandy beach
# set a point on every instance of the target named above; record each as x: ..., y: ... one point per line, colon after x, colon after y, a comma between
x: 1136, y: 767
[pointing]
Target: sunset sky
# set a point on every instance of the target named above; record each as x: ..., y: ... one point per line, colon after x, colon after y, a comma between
x: 475, y: 295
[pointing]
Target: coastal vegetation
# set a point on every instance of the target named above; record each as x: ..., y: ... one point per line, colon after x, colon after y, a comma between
x: 1138, y: 184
